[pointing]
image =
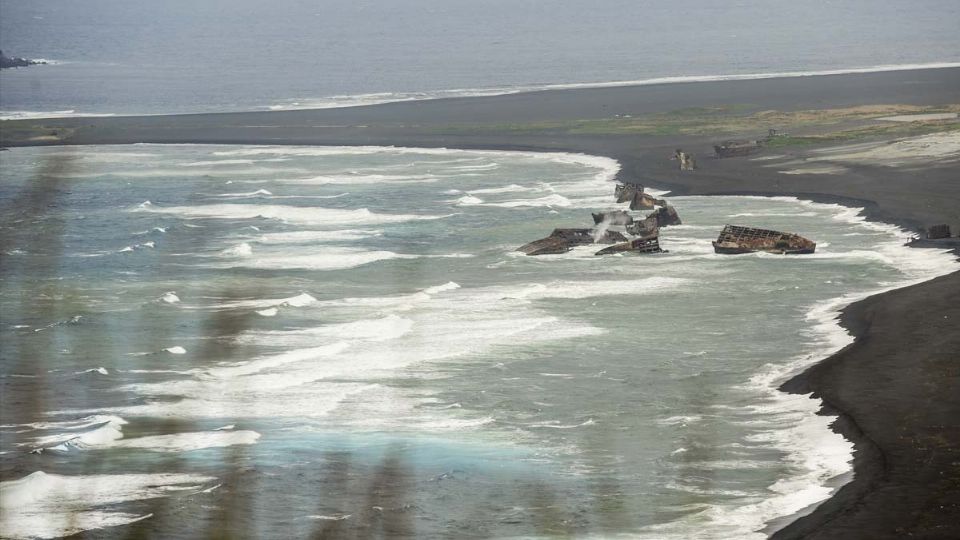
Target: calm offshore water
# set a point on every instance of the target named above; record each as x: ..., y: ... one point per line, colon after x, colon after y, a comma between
x: 129, y: 57
x: 279, y: 341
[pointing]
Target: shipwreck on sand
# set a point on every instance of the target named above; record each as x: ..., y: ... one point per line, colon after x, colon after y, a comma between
x: 735, y: 239
x: 728, y: 149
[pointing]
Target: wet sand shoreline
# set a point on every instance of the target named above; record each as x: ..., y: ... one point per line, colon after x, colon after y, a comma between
x: 896, y: 389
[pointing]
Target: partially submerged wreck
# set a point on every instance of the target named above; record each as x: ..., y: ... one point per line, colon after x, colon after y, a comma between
x: 639, y: 245
x: 666, y: 216
x: 563, y: 240
x: 625, y: 191
x: 646, y: 231
x: 736, y: 239
x: 644, y: 201
x: 644, y: 228
x: 616, y: 217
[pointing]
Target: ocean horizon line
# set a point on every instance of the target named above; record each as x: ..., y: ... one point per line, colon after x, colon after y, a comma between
x: 381, y: 98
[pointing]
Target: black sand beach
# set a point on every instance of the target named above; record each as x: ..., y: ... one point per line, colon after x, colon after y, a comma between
x: 896, y: 389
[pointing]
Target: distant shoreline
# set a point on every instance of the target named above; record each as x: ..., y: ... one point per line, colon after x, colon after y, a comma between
x: 382, y: 98
x: 895, y: 389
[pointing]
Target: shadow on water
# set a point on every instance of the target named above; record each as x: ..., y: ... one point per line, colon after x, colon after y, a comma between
x: 32, y: 229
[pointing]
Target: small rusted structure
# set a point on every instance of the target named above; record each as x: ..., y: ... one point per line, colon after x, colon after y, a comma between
x: 666, y: 216
x: 616, y: 217
x: 644, y: 201
x: 736, y: 148
x: 639, y: 245
x: 685, y: 160
x: 644, y: 228
x: 563, y: 240
x: 936, y: 232
x: 625, y: 191
x: 735, y: 239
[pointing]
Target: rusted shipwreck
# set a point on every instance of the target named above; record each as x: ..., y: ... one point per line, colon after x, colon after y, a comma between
x: 735, y: 239
x: 638, y: 245
x: 636, y: 196
x: 736, y: 148
x: 615, y: 217
x: 563, y: 240
x: 650, y: 226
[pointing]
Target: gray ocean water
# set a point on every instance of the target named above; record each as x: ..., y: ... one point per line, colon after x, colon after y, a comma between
x: 280, y: 342
x: 142, y: 57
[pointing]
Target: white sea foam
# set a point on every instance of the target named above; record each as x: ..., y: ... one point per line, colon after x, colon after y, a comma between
x: 81, y: 436
x: 469, y: 200
x: 392, y: 97
x: 327, y: 259
x: 217, y: 162
x: 300, y: 300
x: 186, y: 442
x: 310, y: 237
x: 170, y: 297
x: 42, y: 505
x: 176, y: 349
x: 382, y: 329
x: 291, y: 214
x: 512, y: 188
x: 239, y: 250
x: 547, y: 201
x: 243, y: 195
x: 33, y: 115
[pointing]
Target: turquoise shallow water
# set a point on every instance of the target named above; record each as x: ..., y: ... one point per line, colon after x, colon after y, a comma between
x: 344, y: 340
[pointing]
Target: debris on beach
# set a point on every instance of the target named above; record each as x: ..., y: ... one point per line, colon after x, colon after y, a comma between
x: 639, y: 245
x: 563, y: 240
x: 736, y: 239
x: 685, y: 160
x: 736, y: 148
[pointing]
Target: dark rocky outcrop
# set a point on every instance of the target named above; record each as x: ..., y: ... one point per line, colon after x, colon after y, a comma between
x: 563, y: 240
x: 13, y: 61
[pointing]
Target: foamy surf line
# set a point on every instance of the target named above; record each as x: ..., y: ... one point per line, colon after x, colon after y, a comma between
x: 812, y: 447
x: 361, y: 100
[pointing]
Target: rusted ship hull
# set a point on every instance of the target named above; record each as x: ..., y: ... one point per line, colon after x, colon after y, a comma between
x: 734, y: 240
x: 563, y: 240
x: 640, y: 245
x: 616, y: 217
x: 729, y: 149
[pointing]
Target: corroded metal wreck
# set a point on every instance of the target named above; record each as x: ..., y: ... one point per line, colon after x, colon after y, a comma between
x: 563, y: 240
x: 736, y: 239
